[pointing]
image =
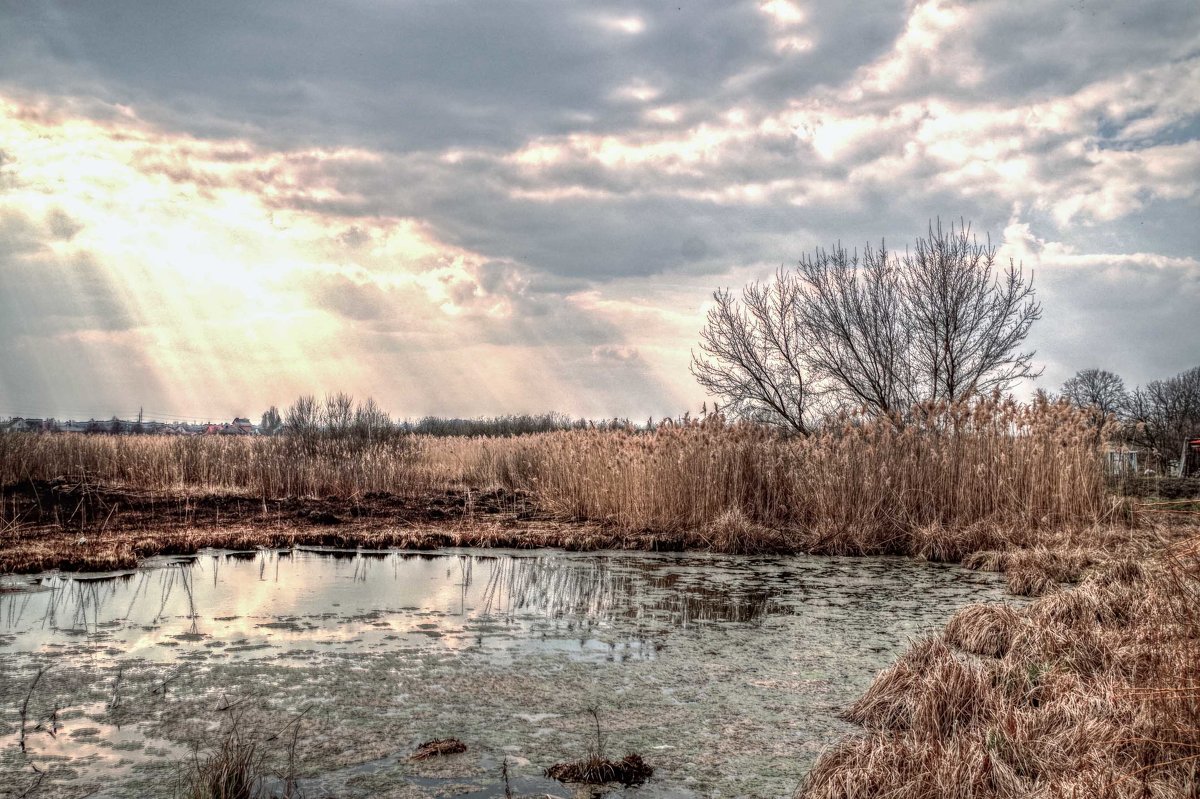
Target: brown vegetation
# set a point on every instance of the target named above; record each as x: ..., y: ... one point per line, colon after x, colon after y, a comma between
x: 439, y: 747
x: 1092, y: 691
x: 986, y: 629
x: 596, y: 769
x: 233, y: 770
x: 947, y: 482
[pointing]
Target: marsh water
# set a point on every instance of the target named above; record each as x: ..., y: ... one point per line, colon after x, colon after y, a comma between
x: 726, y: 673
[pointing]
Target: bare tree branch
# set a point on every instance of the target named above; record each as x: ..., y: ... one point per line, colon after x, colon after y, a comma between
x: 753, y: 354
x: 883, y: 332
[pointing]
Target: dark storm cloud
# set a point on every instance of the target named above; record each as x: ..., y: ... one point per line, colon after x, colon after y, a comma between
x: 418, y: 79
x: 415, y: 75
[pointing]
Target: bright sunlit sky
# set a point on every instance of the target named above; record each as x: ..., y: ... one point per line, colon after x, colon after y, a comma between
x: 494, y: 207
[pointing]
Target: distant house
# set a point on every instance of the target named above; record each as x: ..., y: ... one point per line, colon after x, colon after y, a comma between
x: 238, y: 427
x: 20, y: 425
x: 1121, y: 460
x: 1189, y: 459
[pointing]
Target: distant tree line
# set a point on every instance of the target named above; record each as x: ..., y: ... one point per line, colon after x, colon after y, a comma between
x: 1157, y: 417
x: 340, y: 417
x: 508, y: 425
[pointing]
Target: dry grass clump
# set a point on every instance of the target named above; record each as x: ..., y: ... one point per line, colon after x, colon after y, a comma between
x: 595, y: 769
x: 986, y: 560
x: 438, y: 747
x: 1038, y: 570
x: 233, y: 770
x: 986, y: 629
x: 1092, y: 691
x: 735, y: 534
x: 866, y: 767
x: 929, y: 690
x: 943, y: 543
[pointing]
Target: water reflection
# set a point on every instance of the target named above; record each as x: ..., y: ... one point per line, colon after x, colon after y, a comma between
x: 322, y: 597
x: 595, y: 589
x: 88, y: 604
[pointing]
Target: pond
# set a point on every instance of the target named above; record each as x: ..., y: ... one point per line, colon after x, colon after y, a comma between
x: 725, y: 673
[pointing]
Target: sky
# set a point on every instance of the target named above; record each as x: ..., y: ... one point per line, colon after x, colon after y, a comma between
x: 504, y: 207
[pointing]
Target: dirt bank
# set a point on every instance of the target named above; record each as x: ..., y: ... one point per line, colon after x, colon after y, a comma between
x: 70, y: 525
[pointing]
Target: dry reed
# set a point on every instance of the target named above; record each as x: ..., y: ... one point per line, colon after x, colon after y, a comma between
x: 950, y: 481
x: 233, y: 770
x: 947, y: 468
x: 1092, y: 691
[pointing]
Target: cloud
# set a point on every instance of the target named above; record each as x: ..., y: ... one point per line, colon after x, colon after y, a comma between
x: 320, y: 193
x: 1125, y: 312
x: 609, y: 352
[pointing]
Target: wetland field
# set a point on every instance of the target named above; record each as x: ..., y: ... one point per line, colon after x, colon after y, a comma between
x: 726, y: 673
x: 959, y: 605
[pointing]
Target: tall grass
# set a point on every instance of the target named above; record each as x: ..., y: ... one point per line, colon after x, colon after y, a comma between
x: 934, y: 484
x: 872, y: 486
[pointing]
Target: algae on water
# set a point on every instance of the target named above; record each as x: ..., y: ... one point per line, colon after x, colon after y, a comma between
x: 724, y: 673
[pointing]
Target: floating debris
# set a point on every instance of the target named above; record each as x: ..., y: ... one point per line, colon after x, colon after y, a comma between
x: 439, y: 747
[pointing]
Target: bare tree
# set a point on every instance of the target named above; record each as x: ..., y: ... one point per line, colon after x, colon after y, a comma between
x: 968, y: 320
x: 339, y: 414
x: 303, y: 417
x: 884, y: 332
x: 1166, y: 412
x: 371, y: 422
x: 1099, y: 389
x: 853, y: 321
x: 753, y: 353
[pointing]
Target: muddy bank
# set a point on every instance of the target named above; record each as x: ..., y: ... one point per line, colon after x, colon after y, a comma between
x: 74, y: 526
x: 79, y: 505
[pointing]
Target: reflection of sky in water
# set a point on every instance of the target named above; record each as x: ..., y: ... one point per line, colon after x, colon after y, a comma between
x: 738, y: 662
x: 607, y: 605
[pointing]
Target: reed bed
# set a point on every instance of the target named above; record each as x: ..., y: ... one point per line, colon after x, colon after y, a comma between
x: 1092, y: 691
x: 278, y: 466
x: 947, y: 481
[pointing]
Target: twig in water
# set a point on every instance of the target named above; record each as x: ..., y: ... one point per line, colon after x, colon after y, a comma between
x: 595, y: 712
x: 25, y: 705
x: 115, y: 701
x: 289, y: 779
x: 33, y: 786
x: 508, y: 794
x: 165, y: 684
